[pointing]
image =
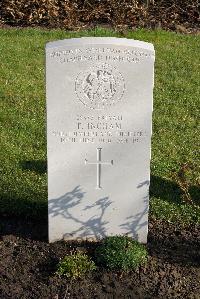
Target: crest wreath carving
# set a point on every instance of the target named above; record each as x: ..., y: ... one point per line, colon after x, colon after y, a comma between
x: 100, y: 86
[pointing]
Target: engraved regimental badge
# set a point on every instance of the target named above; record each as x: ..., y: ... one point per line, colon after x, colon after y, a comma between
x: 100, y: 86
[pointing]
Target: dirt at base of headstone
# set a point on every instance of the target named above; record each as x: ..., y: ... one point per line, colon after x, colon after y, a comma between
x: 28, y: 264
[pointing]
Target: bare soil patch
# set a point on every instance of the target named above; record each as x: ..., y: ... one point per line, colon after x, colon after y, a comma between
x: 28, y: 265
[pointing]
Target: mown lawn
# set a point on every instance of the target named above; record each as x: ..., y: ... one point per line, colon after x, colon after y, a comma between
x: 23, y: 185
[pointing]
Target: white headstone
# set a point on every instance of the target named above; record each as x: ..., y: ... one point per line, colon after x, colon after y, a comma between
x: 99, y: 115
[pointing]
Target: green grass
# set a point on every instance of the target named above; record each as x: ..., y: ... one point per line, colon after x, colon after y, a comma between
x: 120, y: 253
x: 23, y: 185
x: 75, y: 265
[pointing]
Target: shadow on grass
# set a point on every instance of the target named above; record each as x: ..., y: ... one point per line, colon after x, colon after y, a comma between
x: 170, y: 191
x: 38, y: 166
x: 159, y: 187
x: 28, y: 217
x: 23, y: 217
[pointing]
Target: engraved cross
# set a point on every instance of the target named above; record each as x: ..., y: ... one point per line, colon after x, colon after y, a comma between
x: 98, y: 163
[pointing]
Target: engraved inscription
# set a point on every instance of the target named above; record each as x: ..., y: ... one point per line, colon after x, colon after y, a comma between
x: 100, y: 86
x: 98, y: 163
x: 100, y: 129
x: 103, y: 54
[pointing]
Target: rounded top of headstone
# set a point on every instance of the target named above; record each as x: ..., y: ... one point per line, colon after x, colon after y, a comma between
x: 100, y: 40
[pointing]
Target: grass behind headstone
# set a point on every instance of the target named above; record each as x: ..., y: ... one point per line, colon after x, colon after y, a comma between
x: 23, y: 185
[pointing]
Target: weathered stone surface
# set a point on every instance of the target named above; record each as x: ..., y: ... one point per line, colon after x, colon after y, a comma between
x: 99, y: 109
